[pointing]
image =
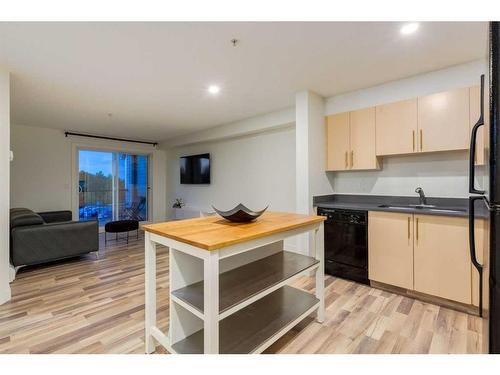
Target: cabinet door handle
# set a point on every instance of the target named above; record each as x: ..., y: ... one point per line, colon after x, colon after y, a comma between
x: 352, y: 159
x: 346, y: 162
x: 408, y: 227
x: 417, y: 228
x: 421, y: 140
x: 413, y: 134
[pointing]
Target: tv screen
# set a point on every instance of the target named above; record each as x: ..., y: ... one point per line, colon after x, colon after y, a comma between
x: 195, y: 169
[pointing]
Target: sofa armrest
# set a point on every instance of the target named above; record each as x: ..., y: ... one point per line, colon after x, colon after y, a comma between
x: 41, y: 243
x: 56, y: 216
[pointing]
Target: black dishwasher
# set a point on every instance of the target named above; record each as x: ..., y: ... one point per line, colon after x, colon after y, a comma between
x: 346, y: 243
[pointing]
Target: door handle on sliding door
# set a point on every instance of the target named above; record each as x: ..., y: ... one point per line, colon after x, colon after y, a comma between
x: 472, y: 149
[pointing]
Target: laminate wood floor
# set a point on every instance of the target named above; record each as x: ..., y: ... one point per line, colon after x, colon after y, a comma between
x: 90, y: 305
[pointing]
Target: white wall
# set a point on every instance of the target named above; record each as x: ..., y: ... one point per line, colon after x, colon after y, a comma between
x: 440, y: 80
x: 4, y: 185
x: 439, y: 174
x: 442, y: 175
x: 41, y: 173
x: 252, y: 125
x: 41, y: 169
x: 257, y: 170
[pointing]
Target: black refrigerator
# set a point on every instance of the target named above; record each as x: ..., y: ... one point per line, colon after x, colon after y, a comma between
x: 484, y: 201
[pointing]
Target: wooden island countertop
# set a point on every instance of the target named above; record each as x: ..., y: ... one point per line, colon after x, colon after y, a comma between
x: 214, y: 232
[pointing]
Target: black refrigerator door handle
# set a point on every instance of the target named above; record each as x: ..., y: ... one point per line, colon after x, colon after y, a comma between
x: 472, y: 249
x: 472, y: 149
x: 472, y: 153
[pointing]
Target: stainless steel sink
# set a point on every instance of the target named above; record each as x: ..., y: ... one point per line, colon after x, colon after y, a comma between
x: 426, y: 207
x: 457, y: 210
x: 398, y: 206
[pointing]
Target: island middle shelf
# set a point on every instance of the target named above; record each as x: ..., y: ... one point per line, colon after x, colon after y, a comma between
x: 242, y: 283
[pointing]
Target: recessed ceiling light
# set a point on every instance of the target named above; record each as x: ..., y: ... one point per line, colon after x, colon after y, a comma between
x: 213, y: 89
x: 409, y: 28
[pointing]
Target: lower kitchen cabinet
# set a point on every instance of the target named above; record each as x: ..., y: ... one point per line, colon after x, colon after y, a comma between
x: 442, y: 264
x: 390, y: 248
x: 424, y: 253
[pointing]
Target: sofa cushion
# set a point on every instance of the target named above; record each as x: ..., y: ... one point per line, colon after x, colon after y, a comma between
x: 56, y: 216
x: 22, y: 217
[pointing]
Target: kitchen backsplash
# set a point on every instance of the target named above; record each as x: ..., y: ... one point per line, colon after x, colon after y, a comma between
x: 439, y: 174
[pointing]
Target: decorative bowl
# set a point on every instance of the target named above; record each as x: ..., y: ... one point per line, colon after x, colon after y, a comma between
x: 240, y: 214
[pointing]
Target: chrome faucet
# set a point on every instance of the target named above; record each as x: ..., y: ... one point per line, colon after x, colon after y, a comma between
x: 423, y: 200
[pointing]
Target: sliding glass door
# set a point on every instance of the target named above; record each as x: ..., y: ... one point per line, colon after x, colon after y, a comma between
x: 112, y: 186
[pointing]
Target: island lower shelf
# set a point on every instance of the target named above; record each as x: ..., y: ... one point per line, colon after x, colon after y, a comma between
x: 256, y: 326
x: 240, y: 284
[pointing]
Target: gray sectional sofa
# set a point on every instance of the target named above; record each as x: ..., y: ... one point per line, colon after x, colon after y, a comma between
x: 47, y: 236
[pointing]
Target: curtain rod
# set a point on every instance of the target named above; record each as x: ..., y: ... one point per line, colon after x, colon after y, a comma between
x: 154, y: 144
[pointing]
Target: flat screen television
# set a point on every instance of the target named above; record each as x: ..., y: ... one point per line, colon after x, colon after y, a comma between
x: 195, y: 169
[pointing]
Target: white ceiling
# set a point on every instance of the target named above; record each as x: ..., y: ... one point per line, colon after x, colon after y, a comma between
x: 153, y: 77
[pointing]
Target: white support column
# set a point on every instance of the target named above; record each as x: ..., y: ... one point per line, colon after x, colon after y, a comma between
x: 320, y: 274
x: 5, y: 293
x: 211, y: 303
x: 150, y: 291
x: 310, y: 146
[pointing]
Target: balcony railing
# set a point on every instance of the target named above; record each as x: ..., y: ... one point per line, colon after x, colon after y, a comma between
x: 98, y: 205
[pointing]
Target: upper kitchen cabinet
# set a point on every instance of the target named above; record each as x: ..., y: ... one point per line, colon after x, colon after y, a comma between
x: 396, y: 128
x: 437, y: 122
x: 362, y: 139
x: 338, y: 148
x: 475, y: 111
x: 443, y: 121
x: 351, y: 140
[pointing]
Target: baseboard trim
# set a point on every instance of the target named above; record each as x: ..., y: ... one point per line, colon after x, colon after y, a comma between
x: 5, y: 294
x: 469, y: 309
x: 12, y: 273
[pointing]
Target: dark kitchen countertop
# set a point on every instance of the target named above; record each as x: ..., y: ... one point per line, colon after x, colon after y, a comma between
x: 373, y: 203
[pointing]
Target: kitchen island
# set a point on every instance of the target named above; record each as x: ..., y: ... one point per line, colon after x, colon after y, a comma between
x: 229, y: 288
